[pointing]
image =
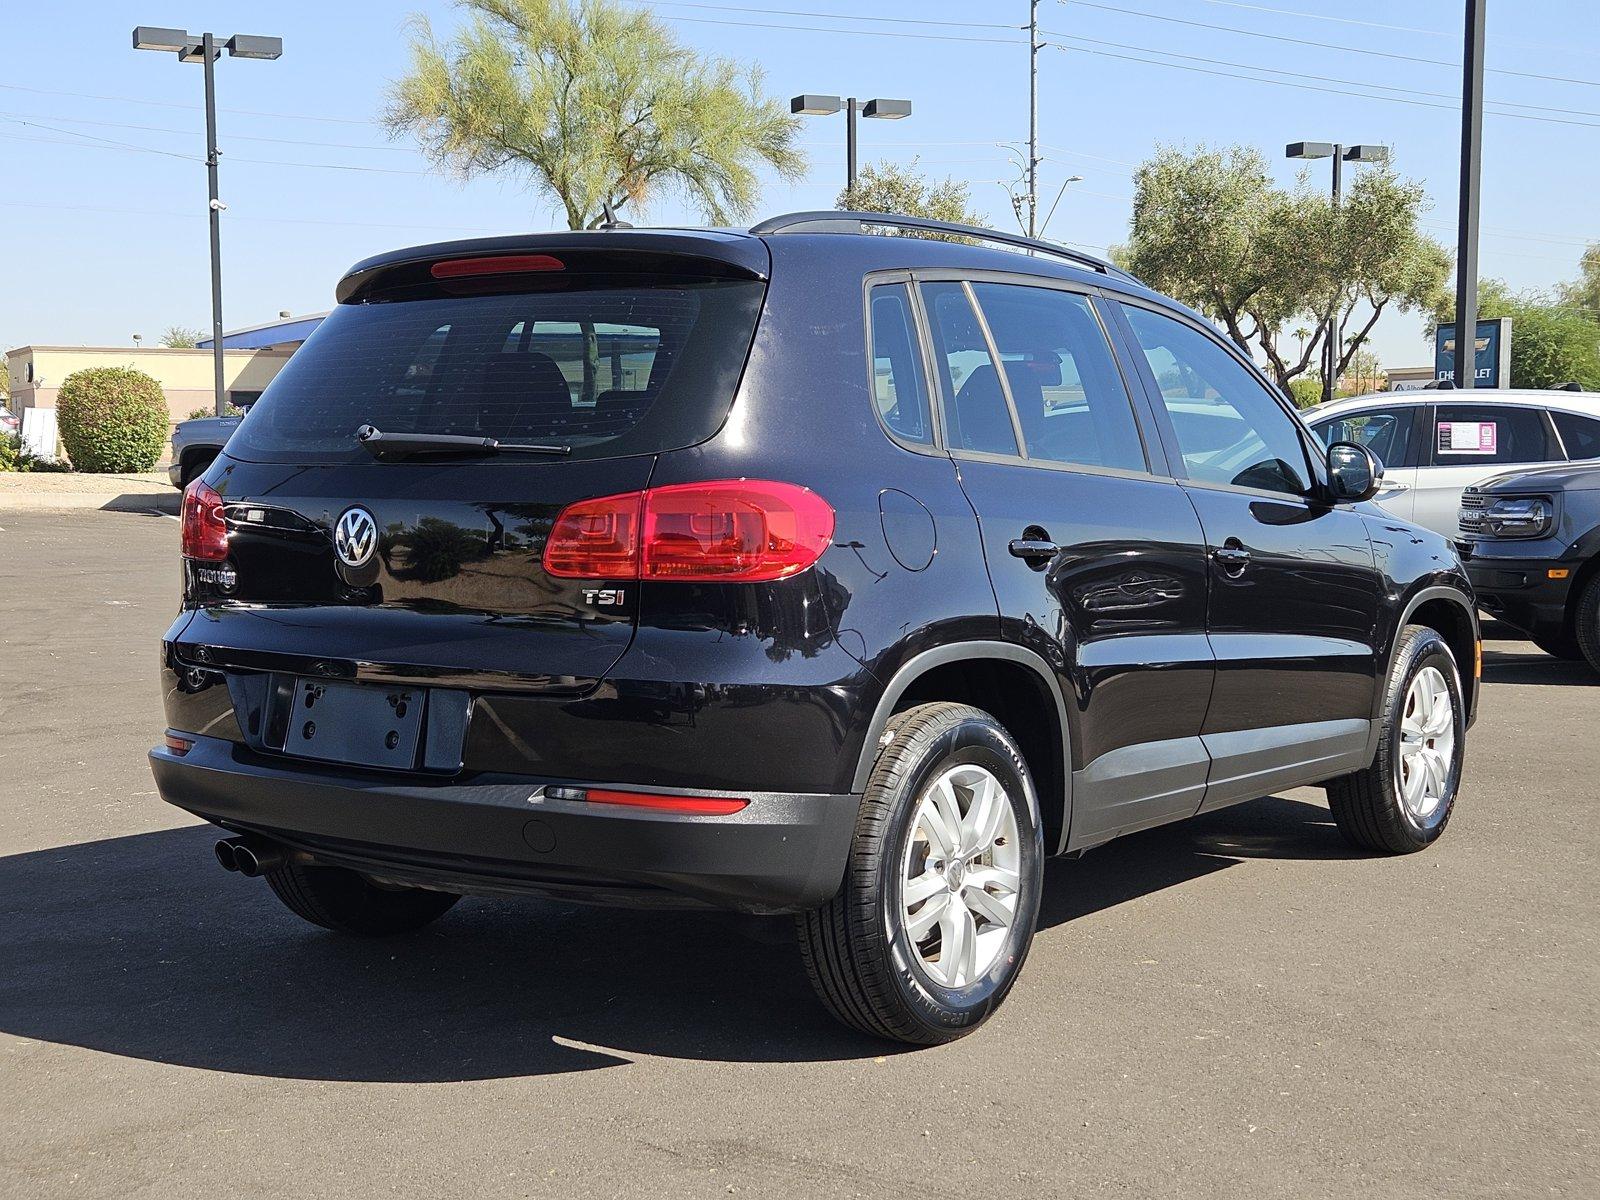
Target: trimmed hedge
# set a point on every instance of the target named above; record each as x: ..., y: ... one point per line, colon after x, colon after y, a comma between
x: 112, y: 419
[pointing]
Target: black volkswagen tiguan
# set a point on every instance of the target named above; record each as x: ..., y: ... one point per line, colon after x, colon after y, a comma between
x: 796, y: 570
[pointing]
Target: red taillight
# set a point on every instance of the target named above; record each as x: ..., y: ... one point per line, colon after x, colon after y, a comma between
x: 596, y: 539
x: 733, y: 530
x: 205, y: 533
x: 498, y: 264
x: 705, y: 806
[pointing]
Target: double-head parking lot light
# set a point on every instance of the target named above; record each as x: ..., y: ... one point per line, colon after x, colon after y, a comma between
x: 205, y: 49
x: 825, y: 106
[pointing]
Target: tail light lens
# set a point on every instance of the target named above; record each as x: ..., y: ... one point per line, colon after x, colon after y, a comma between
x: 735, y: 531
x: 205, y: 533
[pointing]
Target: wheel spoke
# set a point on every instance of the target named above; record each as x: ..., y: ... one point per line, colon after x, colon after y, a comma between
x: 1440, y: 718
x: 959, y: 954
x: 941, y: 834
x: 931, y: 913
x: 994, y: 877
x: 992, y: 908
x: 929, y: 883
x: 948, y: 809
x: 982, y: 821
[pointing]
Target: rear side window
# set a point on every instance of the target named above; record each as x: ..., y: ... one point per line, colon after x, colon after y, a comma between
x: 1467, y: 435
x: 976, y: 415
x: 1581, y: 434
x: 607, y: 369
x: 1386, y: 432
x: 1064, y: 383
x: 898, y: 388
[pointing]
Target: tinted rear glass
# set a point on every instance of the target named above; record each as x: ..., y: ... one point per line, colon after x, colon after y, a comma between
x: 608, y: 369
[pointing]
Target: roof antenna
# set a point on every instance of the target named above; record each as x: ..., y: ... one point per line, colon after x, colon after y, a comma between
x: 611, y: 221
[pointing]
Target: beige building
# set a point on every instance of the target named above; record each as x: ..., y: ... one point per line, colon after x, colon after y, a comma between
x: 36, y: 372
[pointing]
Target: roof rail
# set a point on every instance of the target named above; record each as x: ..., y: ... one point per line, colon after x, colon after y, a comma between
x: 842, y: 221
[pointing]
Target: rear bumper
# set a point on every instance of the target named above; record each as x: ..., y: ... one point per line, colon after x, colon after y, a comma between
x: 784, y: 852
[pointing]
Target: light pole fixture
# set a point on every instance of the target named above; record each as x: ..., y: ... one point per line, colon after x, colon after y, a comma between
x: 825, y: 106
x: 1341, y: 154
x: 1069, y: 179
x: 206, y: 48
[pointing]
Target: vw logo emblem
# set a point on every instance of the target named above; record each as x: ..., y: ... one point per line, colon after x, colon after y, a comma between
x: 355, y: 537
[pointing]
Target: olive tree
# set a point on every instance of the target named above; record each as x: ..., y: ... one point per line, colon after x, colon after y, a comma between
x: 1212, y: 229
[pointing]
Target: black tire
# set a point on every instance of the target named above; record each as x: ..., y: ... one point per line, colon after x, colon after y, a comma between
x: 1586, y: 621
x: 1367, y: 805
x: 195, y: 466
x: 1562, y: 645
x: 346, y: 902
x: 857, y: 951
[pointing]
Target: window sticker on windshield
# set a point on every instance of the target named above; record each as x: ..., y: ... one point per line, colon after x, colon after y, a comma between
x: 1467, y: 437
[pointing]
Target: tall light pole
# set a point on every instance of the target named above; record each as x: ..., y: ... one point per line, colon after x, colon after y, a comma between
x: 206, y: 48
x: 825, y: 106
x: 1340, y: 154
x: 1471, y: 169
x: 1034, y: 46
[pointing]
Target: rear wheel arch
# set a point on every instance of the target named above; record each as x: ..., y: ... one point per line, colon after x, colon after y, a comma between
x: 194, y: 462
x: 1014, y: 686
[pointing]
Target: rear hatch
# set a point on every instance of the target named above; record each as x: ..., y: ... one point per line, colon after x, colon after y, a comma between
x: 580, y: 364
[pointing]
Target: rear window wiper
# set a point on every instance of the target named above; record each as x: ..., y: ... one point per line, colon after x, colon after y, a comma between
x: 417, y: 445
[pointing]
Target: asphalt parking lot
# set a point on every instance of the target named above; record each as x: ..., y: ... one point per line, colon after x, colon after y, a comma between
x: 1234, y: 1007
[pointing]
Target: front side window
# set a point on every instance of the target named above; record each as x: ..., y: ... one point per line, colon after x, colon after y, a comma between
x: 1469, y: 435
x: 1064, y: 383
x: 898, y: 389
x: 1384, y: 431
x: 1229, y: 428
x: 976, y: 415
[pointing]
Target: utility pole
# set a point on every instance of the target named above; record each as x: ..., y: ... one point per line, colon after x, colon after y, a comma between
x: 209, y: 50
x: 1471, y: 171
x: 1033, y: 117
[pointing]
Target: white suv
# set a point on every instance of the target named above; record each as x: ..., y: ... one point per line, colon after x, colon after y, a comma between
x: 1434, y: 444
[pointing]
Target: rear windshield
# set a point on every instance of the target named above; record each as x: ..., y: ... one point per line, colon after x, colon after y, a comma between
x: 608, y: 368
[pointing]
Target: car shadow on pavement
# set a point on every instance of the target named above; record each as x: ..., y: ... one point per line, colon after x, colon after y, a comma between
x: 140, y: 946
x: 1536, y: 667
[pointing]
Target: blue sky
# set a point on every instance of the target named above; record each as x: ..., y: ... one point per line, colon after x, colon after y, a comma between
x: 102, y: 219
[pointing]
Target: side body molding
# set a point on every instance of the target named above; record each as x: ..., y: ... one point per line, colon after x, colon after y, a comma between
x: 922, y: 663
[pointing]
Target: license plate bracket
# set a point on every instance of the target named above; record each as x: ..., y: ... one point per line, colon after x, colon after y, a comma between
x: 355, y: 724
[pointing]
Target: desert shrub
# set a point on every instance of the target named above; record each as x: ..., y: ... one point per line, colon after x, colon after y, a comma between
x: 112, y: 419
x: 15, y: 456
x: 1306, y: 392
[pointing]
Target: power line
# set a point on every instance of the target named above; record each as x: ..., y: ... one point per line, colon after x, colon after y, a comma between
x: 1308, y: 87
x: 1320, y: 45
x: 831, y: 16
x: 241, y: 137
x: 243, y: 112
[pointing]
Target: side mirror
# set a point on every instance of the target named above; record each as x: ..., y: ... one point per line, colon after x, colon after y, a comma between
x: 1354, y: 472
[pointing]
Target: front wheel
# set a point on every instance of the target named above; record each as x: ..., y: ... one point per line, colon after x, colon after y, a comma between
x: 1403, y: 801
x: 941, y: 891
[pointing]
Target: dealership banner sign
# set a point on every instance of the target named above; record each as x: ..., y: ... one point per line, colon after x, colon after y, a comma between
x: 1491, y: 353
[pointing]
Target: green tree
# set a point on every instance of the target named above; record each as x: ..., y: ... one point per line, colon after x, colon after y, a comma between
x: 593, y: 103
x: 181, y: 337
x: 1585, y: 292
x: 1212, y: 229
x: 887, y: 187
x: 112, y: 419
x: 1553, y: 339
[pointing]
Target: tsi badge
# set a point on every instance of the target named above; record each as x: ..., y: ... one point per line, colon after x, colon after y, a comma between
x: 355, y: 542
x: 603, y: 597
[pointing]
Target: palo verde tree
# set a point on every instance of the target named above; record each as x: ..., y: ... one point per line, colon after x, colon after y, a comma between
x: 887, y: 187
x: 1212, y: 229
x: 594, y: 104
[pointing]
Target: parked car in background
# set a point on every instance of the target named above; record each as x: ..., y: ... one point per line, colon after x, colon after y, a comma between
x: 1435, y: 444
x: 9, y: 421
x: 796, y: 570
x: 1531, y: 541
x: 198, y: 441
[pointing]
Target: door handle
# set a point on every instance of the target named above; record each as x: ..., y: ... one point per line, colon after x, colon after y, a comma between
x: 1393, y: 489
x: 1233, y: 556
x: 1033, y: 550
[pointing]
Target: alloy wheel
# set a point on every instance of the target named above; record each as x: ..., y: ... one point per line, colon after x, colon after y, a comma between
x: 960, y: 876
x: 1427, y: 747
